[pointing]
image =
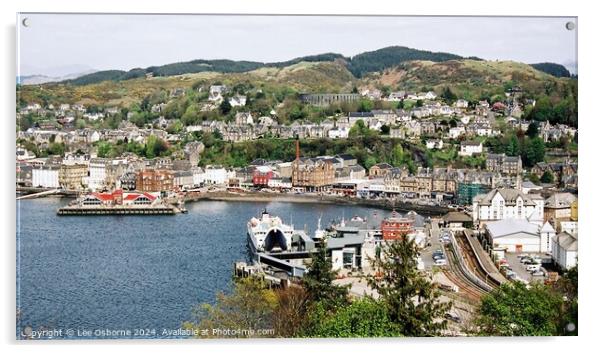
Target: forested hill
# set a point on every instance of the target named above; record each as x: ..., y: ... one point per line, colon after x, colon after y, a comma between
x: 359, y: 65
x: 384, y: 58
x: 552, y: 69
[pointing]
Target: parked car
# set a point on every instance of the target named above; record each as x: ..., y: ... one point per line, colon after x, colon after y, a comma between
x: 525, y: 259
x: 440, y: 262
x: 538, y: 273
x: 453, y: 318
x: 532, y: 268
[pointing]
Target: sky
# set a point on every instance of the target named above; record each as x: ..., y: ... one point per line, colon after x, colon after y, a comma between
x: 59, y: 44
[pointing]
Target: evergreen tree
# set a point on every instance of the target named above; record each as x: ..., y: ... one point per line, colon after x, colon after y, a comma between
x: 318, y: 282
x: 225, y: 107
x: 532, y: 130
x: 411, y: 299
x: 448, y: 95
x: 547, y: 177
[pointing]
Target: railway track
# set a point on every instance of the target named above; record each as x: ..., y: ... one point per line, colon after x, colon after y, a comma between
x: 471, y: 261
x: 456, y: 276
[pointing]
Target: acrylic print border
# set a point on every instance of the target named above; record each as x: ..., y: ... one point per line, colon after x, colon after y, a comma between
x: 168, y: 163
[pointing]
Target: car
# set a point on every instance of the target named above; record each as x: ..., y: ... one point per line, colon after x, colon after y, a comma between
x: 525, y: 259
x: 440, y: 262
x: 538, y: 273
x: 532, y: 268
x: 453, y: 318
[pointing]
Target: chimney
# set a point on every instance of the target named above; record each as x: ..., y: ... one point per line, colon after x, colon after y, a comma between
x: 297, y: 149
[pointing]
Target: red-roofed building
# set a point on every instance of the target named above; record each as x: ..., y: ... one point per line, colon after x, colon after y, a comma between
x: 396, y: 226
x: 118, y: 197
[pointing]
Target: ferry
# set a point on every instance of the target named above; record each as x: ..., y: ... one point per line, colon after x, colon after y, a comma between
x: 269, y: 234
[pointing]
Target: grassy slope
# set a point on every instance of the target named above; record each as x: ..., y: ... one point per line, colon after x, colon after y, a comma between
x: 467, y: 78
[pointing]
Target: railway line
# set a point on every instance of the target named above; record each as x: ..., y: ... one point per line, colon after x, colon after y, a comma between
x: 472, y: 262
x: 455, y: 274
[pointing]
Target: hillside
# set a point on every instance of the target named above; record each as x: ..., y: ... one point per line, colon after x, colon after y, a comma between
x: 359, y: 66
x: 553, y: 69
x: 389, y: 57
x: 468, y: 79
x: 300, y: 77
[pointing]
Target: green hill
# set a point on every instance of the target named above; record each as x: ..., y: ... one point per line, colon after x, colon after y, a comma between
x: 469, y: 79
x: 384, y: 58
x: 553, y: 69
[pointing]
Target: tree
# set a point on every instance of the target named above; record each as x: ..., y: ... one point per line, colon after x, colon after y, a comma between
x: 410, y: 298
x: 250, y: 306
x: 398, y: 156
x: 533, y: 129
x: 365, y: 105
x: 448, y: 95
x: 290, y: 314
x: 515, y: 310
x: 567, y: 287
x: 358, y: 129
x: 191, y: 115
x: 513, y: 148
x: 370, y: 161
x: 57, y: 149
x: 364, y: 317
x: 318, y: 282
x: 225, y: 107
x: 105, y: 149
x: 385, y: 129
x: 547, y: 177
x: 535, y: 151
x: 155, y: 147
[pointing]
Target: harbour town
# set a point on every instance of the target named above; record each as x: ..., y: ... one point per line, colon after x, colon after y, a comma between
x: 395, y: 193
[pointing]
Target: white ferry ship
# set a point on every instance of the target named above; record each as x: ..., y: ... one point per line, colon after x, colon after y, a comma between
x: 269, y: 234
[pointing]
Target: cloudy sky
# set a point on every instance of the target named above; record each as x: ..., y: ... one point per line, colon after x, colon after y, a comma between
x: 58, y: 44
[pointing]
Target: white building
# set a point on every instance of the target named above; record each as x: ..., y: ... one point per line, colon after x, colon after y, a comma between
x: 456, y: 132
x: 564, y: 250
x: 519, y: 235
x: 468, y: 148
x: 238, y: 101
x: 98, y: 173
x: 280, y: 183
x: 461, y: 103
x: 434, y: 144
x: 216, y: 175
x: 501, y: 204
x: 338, y: 132
x: 24, y: 155
x: 197, y: 176
x: 46, y: 177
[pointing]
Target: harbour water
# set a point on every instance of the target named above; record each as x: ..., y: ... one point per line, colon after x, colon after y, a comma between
x: 136, y: 272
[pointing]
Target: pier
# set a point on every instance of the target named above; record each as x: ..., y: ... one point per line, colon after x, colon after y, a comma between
x: 123, y: 211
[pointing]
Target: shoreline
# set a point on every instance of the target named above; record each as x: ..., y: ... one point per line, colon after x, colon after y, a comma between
x: 251, y: 196
x: 318, y: 199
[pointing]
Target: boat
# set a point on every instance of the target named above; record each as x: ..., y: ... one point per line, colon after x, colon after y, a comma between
x: 269, y: 234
